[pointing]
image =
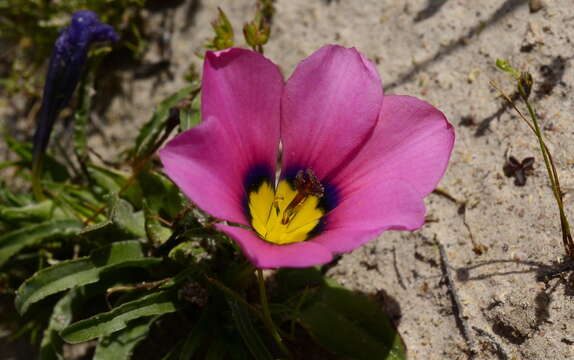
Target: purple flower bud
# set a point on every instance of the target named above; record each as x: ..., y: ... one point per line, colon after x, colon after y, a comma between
x: 64, y: 72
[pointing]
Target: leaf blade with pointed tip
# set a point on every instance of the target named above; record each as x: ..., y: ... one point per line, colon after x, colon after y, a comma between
x: 363, y: 331
x: 120, y: 345
x: 158, y: 303
x: 14, y: 241
x: 78, y: 272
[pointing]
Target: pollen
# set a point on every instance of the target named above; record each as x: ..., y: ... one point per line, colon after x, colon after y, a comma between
x: 289, y: 213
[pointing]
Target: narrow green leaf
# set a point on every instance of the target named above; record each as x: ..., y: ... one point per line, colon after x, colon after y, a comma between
x: 223, y: 33
x: 107, y: 181
x: 351, y: 325
x: 56, y: 170
x: 9, y: 198
x: 120, y: 345
x: 33, y: 212
x: 191, y: 116
x: 161, y: 194
x: 173, y: 353
x: 123, y: 215
x: 250, y: 336
x: 155, y: 231
x: 151, y: 131
x: 51, y: 347
x: 199, y: 332
x: 72, y: 273
x: 506, y: 67
x: 82, y: 115
x: 122, y: 223
x: 117, y: 319
x: 12, y: 242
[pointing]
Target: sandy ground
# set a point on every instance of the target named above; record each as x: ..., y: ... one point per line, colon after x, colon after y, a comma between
x: 515, y: 301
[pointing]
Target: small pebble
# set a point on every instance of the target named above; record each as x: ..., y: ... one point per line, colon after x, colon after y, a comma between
x: 535, y: 5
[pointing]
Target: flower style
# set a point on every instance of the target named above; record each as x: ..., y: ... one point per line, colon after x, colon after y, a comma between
x: 354, y: 163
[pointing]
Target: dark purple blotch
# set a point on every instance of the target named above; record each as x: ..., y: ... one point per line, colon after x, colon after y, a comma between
x: 518, y: 169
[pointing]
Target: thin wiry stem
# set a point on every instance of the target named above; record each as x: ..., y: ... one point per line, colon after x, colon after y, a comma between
x: 550, y: 168
x: 267, y: 315
x: 553, y: 175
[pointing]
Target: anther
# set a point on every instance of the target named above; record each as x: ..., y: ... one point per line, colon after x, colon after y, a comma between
x: 306, y: 183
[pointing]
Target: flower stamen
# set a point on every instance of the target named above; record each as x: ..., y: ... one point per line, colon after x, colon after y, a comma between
x: 306, y: 183
x: 289, y: 212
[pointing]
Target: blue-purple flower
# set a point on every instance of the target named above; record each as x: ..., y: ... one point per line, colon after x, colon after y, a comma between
x: 64, y: 72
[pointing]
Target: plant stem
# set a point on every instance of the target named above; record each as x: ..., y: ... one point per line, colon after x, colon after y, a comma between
x: 267, y: 315
x: 553, y: 175
x: 37, y: 167
x: 550, y: 168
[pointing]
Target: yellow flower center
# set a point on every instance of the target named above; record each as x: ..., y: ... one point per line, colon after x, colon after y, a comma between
x: 288, y: 214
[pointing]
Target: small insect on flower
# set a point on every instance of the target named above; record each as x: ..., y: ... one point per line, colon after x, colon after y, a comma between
x: 354, y: 162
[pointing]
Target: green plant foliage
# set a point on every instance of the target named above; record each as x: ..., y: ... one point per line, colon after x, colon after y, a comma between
x: 30, y: 28
x: 250, y: 336
x: 12, y: 242
x: 73, y: 273
x: 190, y: 116
x: 120, y: 345
x: 122, y: 223
x: 117, y: 319
x: 118, y: 232
x: 27, y: 213
x: 55, y: 170
x: 363, y: 330
x: 223, y: 33
x: 82, y: 114
x: 51, y: 347
x: 153, y: 129
x: 195, y: 338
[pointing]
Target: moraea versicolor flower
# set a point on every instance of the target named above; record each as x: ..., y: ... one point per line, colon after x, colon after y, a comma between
x: 64, y: 71
x: 354, y: 163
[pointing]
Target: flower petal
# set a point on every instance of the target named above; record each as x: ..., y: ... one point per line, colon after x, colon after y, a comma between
x: 412, y: 141
x: 265, y: 255
x: 329, y: 108
x: 386, y: 205
x: 241, y: 94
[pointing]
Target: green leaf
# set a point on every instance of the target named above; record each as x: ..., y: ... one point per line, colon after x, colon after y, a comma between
x: 294, y: 281
x: 123, y: 216
x: 9, y: 198
x: 33, y: 212
x: 120, y: 345
x: 250, y: 336
x: 161, y: 194
x: 155, y: 231
x: 117, y: 319
x: 72, y: 273
x: 51, y: 347
x: 122, y: 223
x: 13, y: 242
x: 351, y: 325
x: 506, y: 67
x: 223, y: 33
x: 151, y: 131
x: 199, y: 332
x: 53, y: 168
x: 82, y: 114
x: 190, y: 116
x: 110, y: 181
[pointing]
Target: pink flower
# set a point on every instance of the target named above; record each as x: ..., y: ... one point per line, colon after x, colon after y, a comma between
x: 354, y: 163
